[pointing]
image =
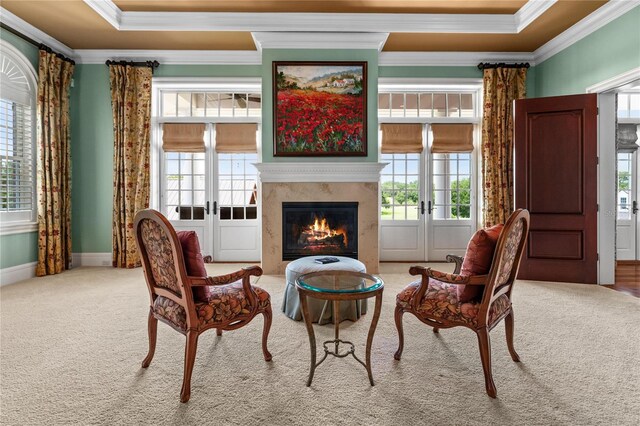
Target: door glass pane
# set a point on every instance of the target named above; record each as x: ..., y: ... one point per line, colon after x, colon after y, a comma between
x: 625, y: 186
x: 183, y: 189
x: 451, y: 182
x: 237, y: 186
x: 400, y: 192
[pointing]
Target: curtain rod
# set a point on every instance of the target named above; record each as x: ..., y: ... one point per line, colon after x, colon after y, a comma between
x: 59, y: 55
x: 487, y: 65
x: 151, y: 64
x: 40, y: 46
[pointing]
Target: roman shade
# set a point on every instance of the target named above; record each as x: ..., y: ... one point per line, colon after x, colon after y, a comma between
x: 401, y: 138
x: 452, y: 138
x: 236, y: 137
x: 183, y: 137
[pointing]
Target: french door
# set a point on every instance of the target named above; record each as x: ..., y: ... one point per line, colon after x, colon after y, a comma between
x: 628, y: 214
x: 235, y: 208
x: 215, y: 195
x: 428, y: 205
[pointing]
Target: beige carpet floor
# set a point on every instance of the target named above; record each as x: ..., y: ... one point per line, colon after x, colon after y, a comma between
x: 71, y: 347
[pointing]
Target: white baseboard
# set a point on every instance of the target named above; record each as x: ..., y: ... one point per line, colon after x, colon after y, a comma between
x: 17, y: 273
x: 91, y: 259
x: 25, y: 271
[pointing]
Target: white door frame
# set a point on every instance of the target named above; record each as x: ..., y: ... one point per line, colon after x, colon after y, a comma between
x: 607, y: 197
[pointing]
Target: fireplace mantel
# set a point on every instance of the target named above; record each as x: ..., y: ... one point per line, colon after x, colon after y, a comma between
x: 320, y: 172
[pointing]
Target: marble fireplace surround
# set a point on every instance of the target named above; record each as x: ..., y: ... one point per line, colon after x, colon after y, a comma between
x: 309, y: 182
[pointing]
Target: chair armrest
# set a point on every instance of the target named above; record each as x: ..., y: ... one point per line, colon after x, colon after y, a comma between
x: 448, y: 278
x: 244, y: 274
x: 427, y: 273
x: 452, y: 258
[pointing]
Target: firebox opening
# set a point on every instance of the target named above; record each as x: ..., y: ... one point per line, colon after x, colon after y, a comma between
x: 319, y: 228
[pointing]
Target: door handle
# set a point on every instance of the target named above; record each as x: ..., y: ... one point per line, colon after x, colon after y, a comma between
x: 421, y: 207
x: 634, y: 209
x: 430, y: 208
x: 215, y: 207
x: 206, y: 209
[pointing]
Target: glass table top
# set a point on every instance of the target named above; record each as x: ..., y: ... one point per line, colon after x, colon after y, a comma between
x: 339, y: 282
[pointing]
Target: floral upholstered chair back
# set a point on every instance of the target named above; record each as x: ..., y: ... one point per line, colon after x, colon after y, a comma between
x: 160, y: 251
x: 508, y: 254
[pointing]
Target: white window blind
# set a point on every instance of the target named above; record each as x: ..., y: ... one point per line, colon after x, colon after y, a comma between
x: 16, y: 157
x: 17, y: 141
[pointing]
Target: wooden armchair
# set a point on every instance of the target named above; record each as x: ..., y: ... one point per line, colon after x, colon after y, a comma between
x: 230, y: 301
x: 434, y: 299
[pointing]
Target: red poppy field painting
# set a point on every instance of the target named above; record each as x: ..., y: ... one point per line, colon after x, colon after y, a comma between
x: 320, y: 108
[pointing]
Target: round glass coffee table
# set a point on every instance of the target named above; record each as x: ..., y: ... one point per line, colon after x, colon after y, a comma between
x: 337, y: 286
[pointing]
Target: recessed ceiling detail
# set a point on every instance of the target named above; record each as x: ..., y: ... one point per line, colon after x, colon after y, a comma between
x: 199, y: 25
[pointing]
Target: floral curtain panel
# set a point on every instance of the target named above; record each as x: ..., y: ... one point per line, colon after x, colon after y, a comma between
x: 53, y: 164
x: 131, y: 106
x: 501, y: 87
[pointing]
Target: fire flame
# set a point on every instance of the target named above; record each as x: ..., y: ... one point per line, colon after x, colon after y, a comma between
x: 321, y: 230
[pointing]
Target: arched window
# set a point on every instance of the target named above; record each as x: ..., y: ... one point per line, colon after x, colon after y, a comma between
x: 17, y: 141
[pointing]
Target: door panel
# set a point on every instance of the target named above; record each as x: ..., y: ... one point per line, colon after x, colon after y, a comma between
x: 556, y: 177
x: 401, y: 220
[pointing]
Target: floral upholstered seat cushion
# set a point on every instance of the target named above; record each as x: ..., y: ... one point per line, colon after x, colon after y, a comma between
x: 225, y: 303
x: 440, y: 301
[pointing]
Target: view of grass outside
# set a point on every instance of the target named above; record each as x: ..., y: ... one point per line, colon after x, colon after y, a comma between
x: 400, y: 201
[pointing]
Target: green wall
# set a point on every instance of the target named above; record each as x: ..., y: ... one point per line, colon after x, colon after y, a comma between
x: 605, y: 53
x: 92, y: 160
x: 18, y: 249
x: 92, y: 146
x: 270, y: 55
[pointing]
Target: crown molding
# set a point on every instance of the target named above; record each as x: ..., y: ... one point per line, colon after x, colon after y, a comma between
x: 593, y: 22
x: 443, y: 59
x: 615, y: 82
x: 320, y: 172
x: 320, y: 22
x: 25, y: 28
x: 314, y: 40
x: 531, y: 11
x: 169, y: 57
x: 109, y: 11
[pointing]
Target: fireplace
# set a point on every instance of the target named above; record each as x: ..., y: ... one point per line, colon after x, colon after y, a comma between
x: 319, y: 228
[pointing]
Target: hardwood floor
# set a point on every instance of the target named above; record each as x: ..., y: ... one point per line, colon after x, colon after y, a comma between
x: 627, y: 279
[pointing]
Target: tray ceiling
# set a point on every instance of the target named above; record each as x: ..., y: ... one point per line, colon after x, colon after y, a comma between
x: 79, y: 26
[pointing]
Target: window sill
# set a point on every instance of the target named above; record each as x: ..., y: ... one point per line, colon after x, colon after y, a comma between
x: 8, y: 228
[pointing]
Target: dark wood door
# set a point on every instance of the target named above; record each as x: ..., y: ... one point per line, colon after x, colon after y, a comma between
x: 556, y: 180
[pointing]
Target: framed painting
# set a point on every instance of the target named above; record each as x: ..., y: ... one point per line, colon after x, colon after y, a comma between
x: 319, y: 109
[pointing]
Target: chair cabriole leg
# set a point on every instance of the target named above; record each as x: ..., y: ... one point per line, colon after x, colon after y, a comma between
x: 265, y: 332
x: 485, y: 356
x: 153, y: 334
x: 436, y: 330
x: 218, y: 332
x: 189, y: 359
x: 398, y: 317
x: 508, y: 325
